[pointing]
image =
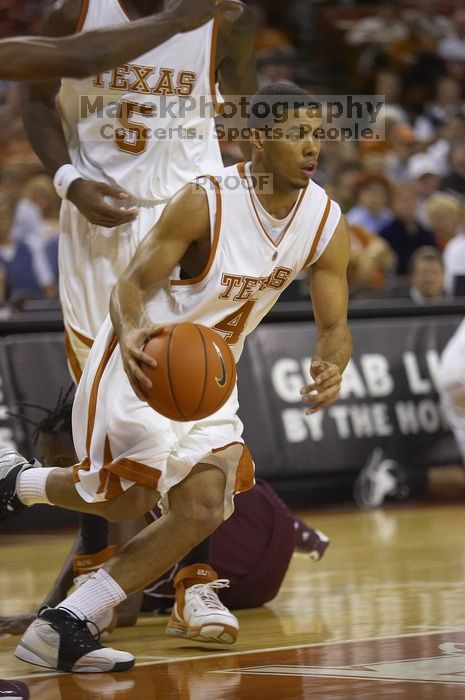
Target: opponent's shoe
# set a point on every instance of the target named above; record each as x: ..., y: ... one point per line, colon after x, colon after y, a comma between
x: 14, y: 690
x: 198, y: 613
x: 308, y: 540
x: 59, y: 639
x: 12, y: 464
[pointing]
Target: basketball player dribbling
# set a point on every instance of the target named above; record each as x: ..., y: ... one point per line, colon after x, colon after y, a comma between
x: 37, y: 58
x: 113, y: 171
x: 221, y: 256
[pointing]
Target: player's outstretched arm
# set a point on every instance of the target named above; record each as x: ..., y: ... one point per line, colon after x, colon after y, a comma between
x: 35, y: 59
x: 181, y: 236
x: 329, y: 292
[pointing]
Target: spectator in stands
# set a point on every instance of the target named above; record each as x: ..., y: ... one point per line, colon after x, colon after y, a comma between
x: 345, y: 183
x: 389, y: 83
x: 267, y: 37
x: 426, y: 272
x: 424, y: 174
x: 40, y: 197
x: 37, y: 219
x: 402, y: 146
x: 454, y: 251
x: 452, y: 47
x: 27, y: 273
x: 382, y: 28
x: 454, y: 181
x: 333, y: 157
x: 371, y: 261
x: 444, y: 214
x: 452, y: 133
x: 416, y: 42
x: 372, y: 208
x: 372, y: 156
x: 447, y: 102
x: 430, y: 15
x: 404, y: 233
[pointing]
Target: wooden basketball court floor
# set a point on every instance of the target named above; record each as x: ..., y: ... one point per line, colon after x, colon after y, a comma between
x: 381, y: 616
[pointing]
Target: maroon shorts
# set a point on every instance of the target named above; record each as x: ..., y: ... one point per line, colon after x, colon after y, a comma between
x: 252, y: 549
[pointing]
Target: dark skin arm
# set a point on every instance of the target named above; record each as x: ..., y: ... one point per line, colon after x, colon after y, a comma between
x: 329, y: 293
x: 38, y: 59
x: 236, y: 64
x: 43, y: 123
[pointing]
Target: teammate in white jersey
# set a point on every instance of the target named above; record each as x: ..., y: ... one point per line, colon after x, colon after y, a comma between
x: 451, y: 385
x: 217, y: 262
x: 120, y: 144
x: 36, y: 58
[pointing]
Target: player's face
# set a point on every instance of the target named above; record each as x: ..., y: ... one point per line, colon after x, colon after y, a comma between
x: 293, y: 157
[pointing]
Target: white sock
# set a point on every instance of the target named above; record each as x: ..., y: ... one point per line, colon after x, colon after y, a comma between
x: 30, y: 486
x: 94, y: 596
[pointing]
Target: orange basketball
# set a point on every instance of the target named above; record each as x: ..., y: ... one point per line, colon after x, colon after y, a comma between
x: 195, y: 372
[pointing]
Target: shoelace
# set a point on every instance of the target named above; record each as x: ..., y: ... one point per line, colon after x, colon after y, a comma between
x: 207, y: 592
x: 77, y: 626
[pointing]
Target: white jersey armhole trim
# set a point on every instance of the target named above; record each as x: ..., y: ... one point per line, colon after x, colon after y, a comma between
x: 212, y: 189
x: 82, y: 17
x: 328, y: 224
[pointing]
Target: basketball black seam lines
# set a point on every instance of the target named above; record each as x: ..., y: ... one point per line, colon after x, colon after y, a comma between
x: 168, y: 367
x: 205, y: 374
x: 232, y: 379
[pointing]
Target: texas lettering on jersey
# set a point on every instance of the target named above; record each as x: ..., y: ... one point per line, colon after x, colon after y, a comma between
x: 147, y: 80
x: 243, y: 288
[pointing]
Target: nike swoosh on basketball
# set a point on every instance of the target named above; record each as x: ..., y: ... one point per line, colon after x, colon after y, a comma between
x: 221, y: 381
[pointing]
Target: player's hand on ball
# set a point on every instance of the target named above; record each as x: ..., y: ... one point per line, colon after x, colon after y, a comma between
x: 325, y: 388
x: 100, y: 203
x: 133, y: 356
x: 191, y: 14
x: 16, y: 624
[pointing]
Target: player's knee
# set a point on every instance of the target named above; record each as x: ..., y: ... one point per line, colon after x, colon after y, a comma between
x: 199, y: 500
x: 204, y: 514
x: 206, y: 518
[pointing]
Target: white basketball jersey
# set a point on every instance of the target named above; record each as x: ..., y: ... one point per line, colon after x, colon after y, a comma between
x: 148, y: 126
x: 247, y: 271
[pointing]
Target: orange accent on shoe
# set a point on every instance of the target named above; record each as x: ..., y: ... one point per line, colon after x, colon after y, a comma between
x: 189, y: 576
x: 86, y: 563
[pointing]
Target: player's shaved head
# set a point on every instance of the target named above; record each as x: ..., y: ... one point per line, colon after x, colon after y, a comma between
x: 275, y: 103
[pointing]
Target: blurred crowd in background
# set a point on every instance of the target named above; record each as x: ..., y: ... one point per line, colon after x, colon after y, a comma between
x: 404, y: 196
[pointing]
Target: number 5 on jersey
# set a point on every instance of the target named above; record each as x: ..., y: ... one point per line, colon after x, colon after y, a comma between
x: 233, y: 325
x: 132, y: 136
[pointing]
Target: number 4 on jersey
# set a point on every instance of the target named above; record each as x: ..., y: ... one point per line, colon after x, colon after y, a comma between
x: 233, y: 325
